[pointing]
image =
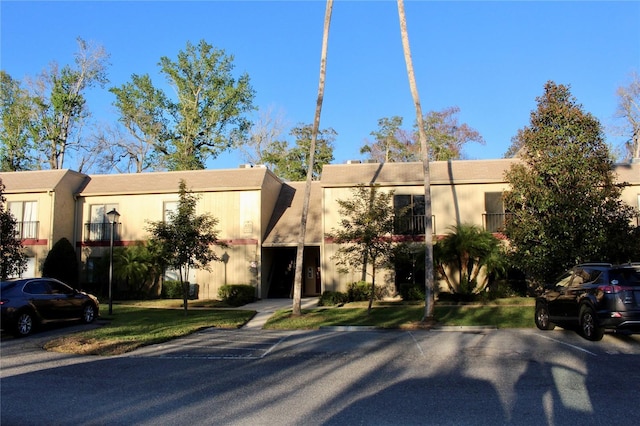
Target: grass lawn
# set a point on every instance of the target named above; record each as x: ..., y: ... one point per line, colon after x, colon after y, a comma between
x: 136, y: 324
x: 133, y: 326
x: 518, y: 313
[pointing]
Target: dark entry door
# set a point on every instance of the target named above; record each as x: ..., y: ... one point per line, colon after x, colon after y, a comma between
x: 282, y: 273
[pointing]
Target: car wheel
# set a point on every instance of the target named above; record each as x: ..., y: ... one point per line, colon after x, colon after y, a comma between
x: 542, y: 318
x: 589, y: 324
x: 24, y: 324
x: 88, y: 313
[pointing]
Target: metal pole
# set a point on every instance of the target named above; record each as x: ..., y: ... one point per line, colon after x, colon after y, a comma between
x: 111, y: 269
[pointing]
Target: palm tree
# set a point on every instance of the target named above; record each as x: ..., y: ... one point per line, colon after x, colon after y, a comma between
x: 297, y: 287
x: 428, y: 235
x: 132, y: 265
x: 467, y: 250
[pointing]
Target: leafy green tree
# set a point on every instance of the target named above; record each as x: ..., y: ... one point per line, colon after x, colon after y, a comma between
x: 293, y: 163
x: 365, y: 232
x: 564, y: 200
x: 206, y: 116
x: 446, y: 138
x: 142, y: 109
x: 62, y: 263
x: 185, y: 241
x: 14, y: 260
x: 465, y: 252
x: 15, y: 110
x: 60, y: 104
x: 391, y: 143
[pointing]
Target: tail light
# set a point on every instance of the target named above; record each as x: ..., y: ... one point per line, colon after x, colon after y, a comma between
x: 613, y: 287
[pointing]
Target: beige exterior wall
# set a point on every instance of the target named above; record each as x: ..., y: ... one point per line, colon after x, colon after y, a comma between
x: 37, y: 248
x: 239, y: 225
x: 53, y: 192
x: 244, y: 202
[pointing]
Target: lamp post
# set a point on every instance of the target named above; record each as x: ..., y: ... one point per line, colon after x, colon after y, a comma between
x: 113, y: 216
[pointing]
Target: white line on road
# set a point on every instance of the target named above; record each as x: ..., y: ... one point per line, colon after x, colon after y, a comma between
x: 567, y: 344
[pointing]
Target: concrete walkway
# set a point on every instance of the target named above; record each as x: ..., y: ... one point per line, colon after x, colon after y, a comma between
x: 267, y: 307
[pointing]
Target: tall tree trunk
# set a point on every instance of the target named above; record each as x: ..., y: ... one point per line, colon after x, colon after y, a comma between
x: 428, y: 236
x: 297, y: 286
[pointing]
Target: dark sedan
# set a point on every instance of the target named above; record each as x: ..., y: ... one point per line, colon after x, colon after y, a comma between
x: 28, y: 302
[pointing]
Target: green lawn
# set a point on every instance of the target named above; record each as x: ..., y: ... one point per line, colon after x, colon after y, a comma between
x: 500, y: 315
x: 131, y: 327
x: 137, y: 324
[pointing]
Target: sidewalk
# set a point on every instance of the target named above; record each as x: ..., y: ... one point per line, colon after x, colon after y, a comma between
x: 267, y: 307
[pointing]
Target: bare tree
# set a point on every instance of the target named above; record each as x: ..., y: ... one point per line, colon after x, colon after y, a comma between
x: 60, y: 104
x: 264, y: 132
x: 428, y: 237
x: 112, y: 148
x: 297, y: 286
x: 629, y: 110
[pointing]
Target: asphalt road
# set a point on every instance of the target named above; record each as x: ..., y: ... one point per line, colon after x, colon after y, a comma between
x: 256, y: 377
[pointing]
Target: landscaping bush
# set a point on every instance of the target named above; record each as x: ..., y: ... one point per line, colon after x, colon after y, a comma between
x: 171, y: 290
x: 333, y: 298
x: 237, y: 295
x: 501, y: 289
x: 361, y: 292
x: 410, y: 292
x: 61, y: 263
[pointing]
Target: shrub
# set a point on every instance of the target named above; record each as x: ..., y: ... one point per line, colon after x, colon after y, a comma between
x: 333, y: 298
x: 61, y: 263
x: 237, y: 295
x: 171, y: 290
x: 410, y: 292
x: 361, y: 292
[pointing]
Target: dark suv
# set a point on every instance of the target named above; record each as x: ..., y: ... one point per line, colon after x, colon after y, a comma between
x: 593, y: 297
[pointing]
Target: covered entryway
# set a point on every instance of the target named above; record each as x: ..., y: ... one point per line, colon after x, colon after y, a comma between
x: 280, y: 263
x: 281, y: 241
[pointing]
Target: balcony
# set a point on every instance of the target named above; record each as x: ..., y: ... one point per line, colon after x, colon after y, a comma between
x: 101, y: 231
x: 494, y: 222
x: 27, y: 230
x: 413, y: 225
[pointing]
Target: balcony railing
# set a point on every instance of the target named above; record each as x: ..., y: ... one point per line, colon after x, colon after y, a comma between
x: 413, y: 224
x: 27, y: 230
x: 101, y: 231
x: 494, y: 222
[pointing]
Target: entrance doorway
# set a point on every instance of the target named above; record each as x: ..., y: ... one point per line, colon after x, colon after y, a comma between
x: 282, y: 272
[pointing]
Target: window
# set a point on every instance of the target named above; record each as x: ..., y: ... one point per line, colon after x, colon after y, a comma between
x: 169, y: 208
x: 494, y: 214
x: 409, y: 214
x: 91, y: 269
x: 26, y: 214
x: 37, y: 287
x: 99, y: 227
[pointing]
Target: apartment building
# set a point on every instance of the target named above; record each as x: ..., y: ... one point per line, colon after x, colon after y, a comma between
x: 258, y: 214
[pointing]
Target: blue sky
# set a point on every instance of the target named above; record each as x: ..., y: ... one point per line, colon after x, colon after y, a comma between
x: 491, y: 59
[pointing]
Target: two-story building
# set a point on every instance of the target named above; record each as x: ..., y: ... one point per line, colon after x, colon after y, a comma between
x: 258, y: 214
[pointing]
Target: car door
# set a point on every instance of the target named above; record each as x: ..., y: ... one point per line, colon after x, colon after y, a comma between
x: 554, y: 295
x: 38, y: 293
x: 66, y: 304
x: 569, y: 299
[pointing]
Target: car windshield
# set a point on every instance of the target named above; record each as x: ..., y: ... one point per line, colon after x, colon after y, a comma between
x: 626, y: 277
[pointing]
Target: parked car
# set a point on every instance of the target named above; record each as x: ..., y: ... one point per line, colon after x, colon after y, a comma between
x: 593, y: 297
x: 28, y: 302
